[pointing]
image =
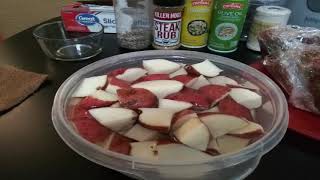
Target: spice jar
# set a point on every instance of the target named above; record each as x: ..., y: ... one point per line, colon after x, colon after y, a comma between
x: 266, y: 17
x: 134, y: 23
x: 167, y: 23
x: 226, y: 25
x: 196, y: 23
x: 253, y: 5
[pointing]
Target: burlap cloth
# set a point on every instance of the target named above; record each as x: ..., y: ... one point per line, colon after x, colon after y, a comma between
x: 16, y: 85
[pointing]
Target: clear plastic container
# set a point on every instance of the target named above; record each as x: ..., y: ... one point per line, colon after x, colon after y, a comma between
x: 273, y: 117
x: 134, y: 23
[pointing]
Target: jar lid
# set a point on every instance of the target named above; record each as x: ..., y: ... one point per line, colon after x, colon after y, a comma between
x: 169, y: 3
x: 273, y: 11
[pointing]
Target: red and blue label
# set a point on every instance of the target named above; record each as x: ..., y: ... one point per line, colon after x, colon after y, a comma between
x: 83, y: 18
x: 87, y: 19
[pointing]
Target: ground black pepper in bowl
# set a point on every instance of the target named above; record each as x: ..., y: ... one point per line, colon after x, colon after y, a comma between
x: 135, y: 39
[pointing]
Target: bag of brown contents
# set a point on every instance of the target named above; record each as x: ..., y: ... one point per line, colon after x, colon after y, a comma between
x: 292, y: 56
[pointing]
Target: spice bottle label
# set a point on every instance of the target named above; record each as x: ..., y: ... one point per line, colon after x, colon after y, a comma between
x: 167, y: 26
x: 227, y: 22
x: 196, y: 23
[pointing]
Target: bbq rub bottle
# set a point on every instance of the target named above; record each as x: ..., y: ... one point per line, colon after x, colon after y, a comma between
x: 167, y: 23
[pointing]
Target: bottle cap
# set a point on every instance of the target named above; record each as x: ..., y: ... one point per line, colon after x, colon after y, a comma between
x: 273, y: 11
x: 169, y: 3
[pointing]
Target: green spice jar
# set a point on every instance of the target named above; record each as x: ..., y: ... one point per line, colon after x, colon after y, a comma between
x: 167, y: 24
x: 227, y: 23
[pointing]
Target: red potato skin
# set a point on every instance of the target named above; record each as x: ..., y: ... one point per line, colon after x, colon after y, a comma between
x: 212, y: 152
x: 72, y: 107
x: 214, y: 92
x: 77, y: 113
x: 115, y: 81
x: 192, y: 96
x: 203, y: 114
x: 117, y: 72
x: 90, y: 102
x: 121, y: 144
x: 74, y: 101
x: 180, y: 114
x: 118, y: 82
x: 231, y: 107
x: 249, y: 135
x: 161, y: 129
x: 175, y: 139
x: 191, y: 70
x: 104, y: 86
x: 86, y: 125
x: 183, y: 78
x: 135, y: 98
x: 153, y: 77
x: 243, y: 87
x: 254, y: 139
x: 91, y: 130
x: 166, y: 141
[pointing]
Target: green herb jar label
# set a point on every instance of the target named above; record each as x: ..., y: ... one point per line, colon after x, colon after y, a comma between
x: 227, y: 23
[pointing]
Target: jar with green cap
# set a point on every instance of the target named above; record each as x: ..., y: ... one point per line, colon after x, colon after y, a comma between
x: 167, y: 23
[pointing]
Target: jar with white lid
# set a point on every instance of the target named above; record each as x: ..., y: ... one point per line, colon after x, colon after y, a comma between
x: 253, y: 5
x: 266, y: 17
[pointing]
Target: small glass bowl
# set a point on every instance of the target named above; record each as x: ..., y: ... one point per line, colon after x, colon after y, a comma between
x: 59, y: 44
